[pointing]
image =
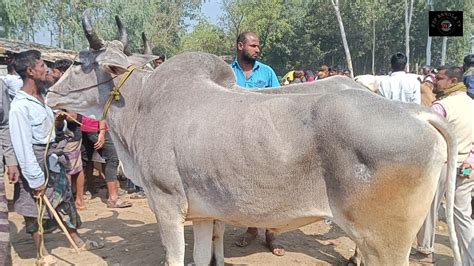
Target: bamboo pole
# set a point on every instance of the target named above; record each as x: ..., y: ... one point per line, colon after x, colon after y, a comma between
x: 60, y: 222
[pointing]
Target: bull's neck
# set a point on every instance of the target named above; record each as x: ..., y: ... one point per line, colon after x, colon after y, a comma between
x: 130, y: 95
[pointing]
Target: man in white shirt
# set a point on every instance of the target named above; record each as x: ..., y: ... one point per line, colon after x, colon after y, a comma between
x: 400, y: 86
x: 13, y: 81
x: 30, y: 122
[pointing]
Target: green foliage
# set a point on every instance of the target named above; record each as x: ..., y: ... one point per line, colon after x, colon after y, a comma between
x: 297, y: 34
x: 206, y: 38
x: 23, y: 17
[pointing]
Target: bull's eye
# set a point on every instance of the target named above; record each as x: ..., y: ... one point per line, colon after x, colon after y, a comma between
x: 77, y: 63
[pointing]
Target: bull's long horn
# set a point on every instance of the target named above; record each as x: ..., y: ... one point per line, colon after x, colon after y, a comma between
x: 95, y: 42
x: 123, y: 35
x: 146, y: 45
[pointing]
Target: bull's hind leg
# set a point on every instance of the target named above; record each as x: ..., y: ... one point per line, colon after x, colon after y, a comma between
x: 376, y: 245
x: 218, y: 242
x: 208, y: 242
x: 385, y: 223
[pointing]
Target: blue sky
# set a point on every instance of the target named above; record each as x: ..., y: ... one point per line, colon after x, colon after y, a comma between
x: 211, y: 9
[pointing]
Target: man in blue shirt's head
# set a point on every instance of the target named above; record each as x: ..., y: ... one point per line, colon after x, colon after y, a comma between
x: 248, y: 71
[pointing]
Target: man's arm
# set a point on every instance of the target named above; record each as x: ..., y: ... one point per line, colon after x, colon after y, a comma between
x: 5, y: 141
x: 8, y: 152
x: 438, y: 108
x: 274, y: 80
x: 21, y: 137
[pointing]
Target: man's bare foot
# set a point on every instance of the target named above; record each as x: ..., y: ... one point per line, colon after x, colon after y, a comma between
x: 80, y: 205
x: 273, y: 245
x: 246, y: 238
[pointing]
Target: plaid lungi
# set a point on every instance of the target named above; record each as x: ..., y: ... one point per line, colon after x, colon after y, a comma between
x: 58, y: 192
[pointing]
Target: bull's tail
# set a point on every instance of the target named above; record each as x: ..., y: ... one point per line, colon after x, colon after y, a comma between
x: 437, y: 122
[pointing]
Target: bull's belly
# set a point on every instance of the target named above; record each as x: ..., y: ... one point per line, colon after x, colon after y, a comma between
x: 276, y: 226
x: 279, y: 216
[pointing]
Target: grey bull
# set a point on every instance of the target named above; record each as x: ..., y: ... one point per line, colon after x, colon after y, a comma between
x: 205, y: 150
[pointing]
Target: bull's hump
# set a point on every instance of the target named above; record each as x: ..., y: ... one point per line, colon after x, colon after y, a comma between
x: 199, y: 67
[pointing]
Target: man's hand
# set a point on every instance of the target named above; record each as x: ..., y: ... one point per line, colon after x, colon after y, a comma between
x: 39, y: 191
x: 100, y: 141
x: 13, y: 173
x: 60, y: 116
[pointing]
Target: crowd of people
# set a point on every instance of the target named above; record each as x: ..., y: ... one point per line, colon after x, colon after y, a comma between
x: 25, y: 137
x: 300, y: 76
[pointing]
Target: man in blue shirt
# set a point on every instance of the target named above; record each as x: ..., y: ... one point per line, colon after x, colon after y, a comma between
x: 248, y: 71
x: 252, y: 74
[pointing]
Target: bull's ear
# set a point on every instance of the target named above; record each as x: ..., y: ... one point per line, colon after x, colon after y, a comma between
x: 114, y: 68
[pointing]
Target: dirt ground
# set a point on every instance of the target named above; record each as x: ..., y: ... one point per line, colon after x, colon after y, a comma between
x: 131, y: 238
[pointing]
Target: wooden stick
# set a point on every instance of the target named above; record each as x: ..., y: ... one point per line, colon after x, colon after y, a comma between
x: 60, y: 222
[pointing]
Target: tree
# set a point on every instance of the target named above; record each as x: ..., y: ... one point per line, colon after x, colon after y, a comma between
x: 428, y: 42
x: 335, y: 4
x: 207, y: 38
x: 64, y: 20
x: 162, y: 21
x: 443, y: 51
x: 24, y: 18
x: 408, y: 17
x: 234, y: 16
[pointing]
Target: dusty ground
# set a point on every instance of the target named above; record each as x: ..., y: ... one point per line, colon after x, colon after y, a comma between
x: 131, y: 238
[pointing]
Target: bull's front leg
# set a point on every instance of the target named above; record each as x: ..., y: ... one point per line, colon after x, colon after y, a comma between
x: 170, y: 218
x: 203, y: 233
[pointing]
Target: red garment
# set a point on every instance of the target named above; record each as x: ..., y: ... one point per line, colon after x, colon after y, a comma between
x: 91, y: 125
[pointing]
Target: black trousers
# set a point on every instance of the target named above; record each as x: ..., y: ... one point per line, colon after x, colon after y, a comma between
x: 107, y: 152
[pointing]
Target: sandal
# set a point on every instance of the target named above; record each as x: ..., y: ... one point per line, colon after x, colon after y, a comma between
x: 245, y: 239
x: 118, y: 203
x: 87, y: 196
x: 138, y: 195
x: 121, y: 192
x: 48, y: 260
x: 91, y: 245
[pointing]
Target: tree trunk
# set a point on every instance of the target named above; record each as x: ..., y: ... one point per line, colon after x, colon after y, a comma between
x: 61, y: 35
x: 428, y: 51
x: 428, y: 42
x: 408, y: 15
x: 373, y: 45
x: 335, y: 4
x: 443, y: 51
